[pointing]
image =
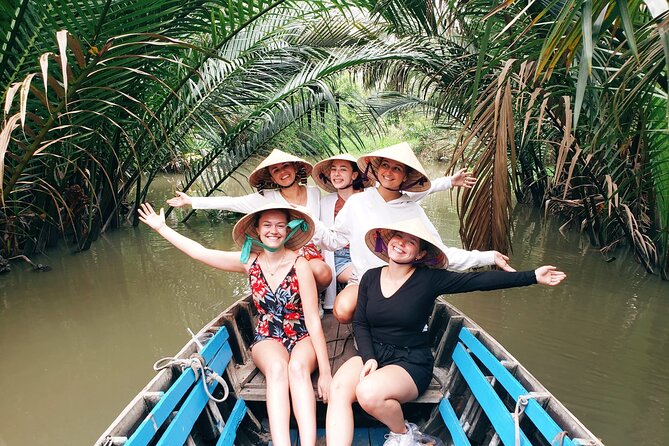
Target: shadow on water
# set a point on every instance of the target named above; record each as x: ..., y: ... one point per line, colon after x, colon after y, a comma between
x: 77, y: 343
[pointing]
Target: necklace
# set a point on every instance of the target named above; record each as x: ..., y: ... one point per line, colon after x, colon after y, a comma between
x: 278, y: 264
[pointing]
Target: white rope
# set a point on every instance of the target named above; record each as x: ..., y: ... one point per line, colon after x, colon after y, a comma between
x: 520, y: 408
x: 196, y: 363
x: 559, y: 437
x: 211, y: 376
x: 114, y: 441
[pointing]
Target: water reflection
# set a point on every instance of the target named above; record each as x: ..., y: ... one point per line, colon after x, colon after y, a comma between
x: 599, y: 342
x: 78, y: 342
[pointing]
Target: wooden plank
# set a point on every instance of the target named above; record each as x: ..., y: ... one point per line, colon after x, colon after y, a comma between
x: 152, y: 398
x: 546, y: 425
x: 430, y: 396
x: 346, y: 346
x: 246, y: 320
x: 345, y: 349
x: 163, y: 408
x: 453, y: 424
x: 236, y: 343
x: 377, y: 435
x: 330, y: 329
x: 182, y: 424
x: 229, y: 433
x: 485, y: 395
x: 442, y: 357
x: 255, y: 394
x: 246, y: 373
x: 320, y: 437
x: 360, y: 436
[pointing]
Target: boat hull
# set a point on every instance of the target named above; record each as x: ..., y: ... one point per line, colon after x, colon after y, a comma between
x: 246, y: 383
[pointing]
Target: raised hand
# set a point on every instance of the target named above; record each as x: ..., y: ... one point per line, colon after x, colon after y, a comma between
x: 180, y: 200
x: 549, y: 275
x: 503, y: 262
x: 148, y: 215
x: 462, y: 178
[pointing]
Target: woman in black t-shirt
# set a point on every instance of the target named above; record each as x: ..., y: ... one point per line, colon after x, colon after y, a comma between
x: 395, y: 361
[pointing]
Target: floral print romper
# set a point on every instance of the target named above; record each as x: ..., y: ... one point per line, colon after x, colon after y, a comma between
x: 280, y: 313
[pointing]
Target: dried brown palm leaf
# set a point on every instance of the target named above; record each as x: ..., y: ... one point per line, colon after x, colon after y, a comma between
x: 644, y: 246
x: 484, y: 144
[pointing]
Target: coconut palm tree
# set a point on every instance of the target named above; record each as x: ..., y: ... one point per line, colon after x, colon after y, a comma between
x: 131, y: 82
x: 561, y: 103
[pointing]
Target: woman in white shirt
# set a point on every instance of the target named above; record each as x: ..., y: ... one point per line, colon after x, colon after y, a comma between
x: 397, y: 171
x: 340, y: 176
x: 279, y: 178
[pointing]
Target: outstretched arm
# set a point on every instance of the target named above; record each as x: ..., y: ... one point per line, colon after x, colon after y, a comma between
x: 549, y: 275
x: 227, y: 261
x: 180, y: 200
x: 502, y: 262
x: 462, y: 178
x: 449, y: 282
x: 244, y: 204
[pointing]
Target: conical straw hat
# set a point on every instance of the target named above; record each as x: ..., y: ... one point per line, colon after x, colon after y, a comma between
x: 247, y: 226
x: 377, y: 241
x: 261, y: 179
x: 417, y: 180
x: 321, y: 175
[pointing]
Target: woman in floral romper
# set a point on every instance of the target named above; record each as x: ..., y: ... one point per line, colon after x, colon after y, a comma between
x: 289, y: 341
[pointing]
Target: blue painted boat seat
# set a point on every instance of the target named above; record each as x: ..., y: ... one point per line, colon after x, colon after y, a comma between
x: 188, y: 397
x: 480, y: 369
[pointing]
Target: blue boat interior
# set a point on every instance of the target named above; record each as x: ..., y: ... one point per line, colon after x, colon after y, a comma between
x: 479, y: 394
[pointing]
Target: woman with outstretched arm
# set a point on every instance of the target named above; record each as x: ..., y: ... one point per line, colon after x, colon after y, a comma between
x: 289, y: 342
x: 394, y: 304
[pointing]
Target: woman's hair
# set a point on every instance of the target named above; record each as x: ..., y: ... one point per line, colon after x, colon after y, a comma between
x: 358, y: 182
x: 256, y: 218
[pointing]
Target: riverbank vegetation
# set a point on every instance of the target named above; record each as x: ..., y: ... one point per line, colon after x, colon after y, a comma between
x: 559, y: 104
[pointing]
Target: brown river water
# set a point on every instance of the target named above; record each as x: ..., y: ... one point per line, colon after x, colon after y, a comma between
x: 78, y: 342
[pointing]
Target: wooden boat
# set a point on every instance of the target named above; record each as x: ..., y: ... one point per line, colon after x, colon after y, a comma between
x: 479, y: 394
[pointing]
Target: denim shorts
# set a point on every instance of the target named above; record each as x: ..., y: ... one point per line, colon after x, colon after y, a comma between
x: 342, y: 259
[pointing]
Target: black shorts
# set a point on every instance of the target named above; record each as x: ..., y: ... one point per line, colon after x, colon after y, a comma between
x: 418, y: 362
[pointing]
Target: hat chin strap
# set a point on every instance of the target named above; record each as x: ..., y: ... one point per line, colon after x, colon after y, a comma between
x: 406, y: 187
x: 420, y: 181
x: 294, y: 225
x: 286, y: 187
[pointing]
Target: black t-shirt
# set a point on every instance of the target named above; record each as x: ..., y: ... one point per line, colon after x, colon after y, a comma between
x: 400, y: 319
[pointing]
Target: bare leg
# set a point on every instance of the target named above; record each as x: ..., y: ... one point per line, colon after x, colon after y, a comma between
x: 271, y: 357
x: 339, y: 419
x: 302, y: 363
x: 382, y: 401
x: 322, y: 273
x: 345, y: 275
x: 344, y: 304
